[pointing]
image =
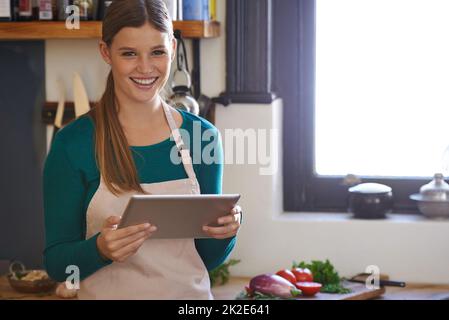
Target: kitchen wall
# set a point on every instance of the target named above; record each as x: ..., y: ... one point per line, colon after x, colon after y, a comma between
x: 406, y: 248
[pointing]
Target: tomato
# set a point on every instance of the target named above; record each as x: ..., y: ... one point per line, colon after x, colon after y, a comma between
x: 288, y: 275
x: 302, y: 275
x: 309, y: 288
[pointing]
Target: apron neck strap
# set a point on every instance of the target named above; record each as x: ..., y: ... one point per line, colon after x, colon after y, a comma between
x: 183, y: 151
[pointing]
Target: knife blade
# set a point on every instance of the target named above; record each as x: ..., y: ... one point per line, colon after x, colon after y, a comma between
x: 80, y: 98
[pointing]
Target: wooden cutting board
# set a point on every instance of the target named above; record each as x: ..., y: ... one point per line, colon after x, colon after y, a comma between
x: 358, y: 292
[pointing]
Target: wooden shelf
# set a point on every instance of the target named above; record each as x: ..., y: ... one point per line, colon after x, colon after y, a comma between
x: 42, y: 30
x: 198, y: 29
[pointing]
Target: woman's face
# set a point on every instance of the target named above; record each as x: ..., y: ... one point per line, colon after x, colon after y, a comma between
x: 140, y: 59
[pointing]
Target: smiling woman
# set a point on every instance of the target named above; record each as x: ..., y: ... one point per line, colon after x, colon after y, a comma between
x: 121, y: 148
x: 140, y: 54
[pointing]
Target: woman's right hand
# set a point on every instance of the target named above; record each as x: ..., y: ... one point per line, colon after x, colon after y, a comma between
x: 119, y: 244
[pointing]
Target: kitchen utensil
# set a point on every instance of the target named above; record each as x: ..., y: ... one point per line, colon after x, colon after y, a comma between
x: 361, y: 278
x: 433, y: 198
x: 181, y: 97
x: 53, y: 129
x: 50, y: 135
x: 81, y: 100
x: 182, y: 94
x: 370, y: 200
x: 29, y: 281
x: 60, y: 109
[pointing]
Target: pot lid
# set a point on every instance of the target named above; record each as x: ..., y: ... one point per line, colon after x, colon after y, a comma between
x: 370, y: 188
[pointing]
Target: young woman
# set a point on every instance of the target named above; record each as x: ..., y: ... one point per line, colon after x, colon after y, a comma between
x: 123, y: 147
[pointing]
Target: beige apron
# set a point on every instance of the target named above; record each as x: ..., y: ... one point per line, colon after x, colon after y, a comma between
x: 161, y: 268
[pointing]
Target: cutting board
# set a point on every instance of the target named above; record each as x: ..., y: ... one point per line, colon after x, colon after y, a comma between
x: 358, y: 292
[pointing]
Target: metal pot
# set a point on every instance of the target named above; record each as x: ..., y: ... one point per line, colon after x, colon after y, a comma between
x: 370, y: 200
x: 433, y: 198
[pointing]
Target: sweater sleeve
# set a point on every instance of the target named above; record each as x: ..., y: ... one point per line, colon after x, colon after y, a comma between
x: 64, y: 194
x: 213, y: 251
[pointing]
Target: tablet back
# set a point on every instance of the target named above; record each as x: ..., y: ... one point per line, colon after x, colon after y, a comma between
x: 178, y: 216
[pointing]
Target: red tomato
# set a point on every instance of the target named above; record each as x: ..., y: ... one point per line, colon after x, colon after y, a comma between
x: 309, y: 288
x: 302, y: 275
x: 287, y: 274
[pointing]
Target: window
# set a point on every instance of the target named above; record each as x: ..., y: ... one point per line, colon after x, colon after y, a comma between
x: 372, y: 101
x: 382, y: 87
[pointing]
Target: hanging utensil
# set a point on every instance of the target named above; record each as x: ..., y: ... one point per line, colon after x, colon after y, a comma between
x: 60, y: 110
x: 80, y: 98
x: 182, y: 97
x: 57, y: 125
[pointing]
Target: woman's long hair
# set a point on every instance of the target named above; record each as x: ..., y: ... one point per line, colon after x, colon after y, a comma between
x: 112, y: 153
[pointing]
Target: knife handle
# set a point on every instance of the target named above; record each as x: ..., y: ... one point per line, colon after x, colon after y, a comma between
x: 392, y: 283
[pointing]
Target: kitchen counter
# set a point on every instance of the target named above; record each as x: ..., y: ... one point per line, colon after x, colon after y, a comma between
x: 410, y: 292
x: 237, y: 284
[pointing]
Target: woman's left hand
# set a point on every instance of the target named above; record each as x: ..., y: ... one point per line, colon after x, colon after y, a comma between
x: 230, y: 225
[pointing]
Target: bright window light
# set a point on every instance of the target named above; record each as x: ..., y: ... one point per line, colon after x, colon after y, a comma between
x: 382, y: 88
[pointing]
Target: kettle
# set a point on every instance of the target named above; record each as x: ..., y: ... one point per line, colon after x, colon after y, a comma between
x: 181, y: 97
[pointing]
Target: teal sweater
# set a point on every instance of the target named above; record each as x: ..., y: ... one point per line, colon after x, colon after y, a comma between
x: 71, y: 178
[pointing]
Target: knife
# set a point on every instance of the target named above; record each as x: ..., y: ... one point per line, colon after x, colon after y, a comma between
x: 381, y: 282
x: 80, y: 98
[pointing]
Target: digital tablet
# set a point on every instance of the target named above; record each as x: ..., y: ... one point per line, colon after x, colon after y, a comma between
x: 178, y: 216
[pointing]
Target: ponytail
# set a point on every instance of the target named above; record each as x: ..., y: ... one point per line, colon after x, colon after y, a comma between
x: 112, y: 154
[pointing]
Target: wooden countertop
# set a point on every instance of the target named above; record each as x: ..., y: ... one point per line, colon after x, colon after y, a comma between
x: 237, y: 284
